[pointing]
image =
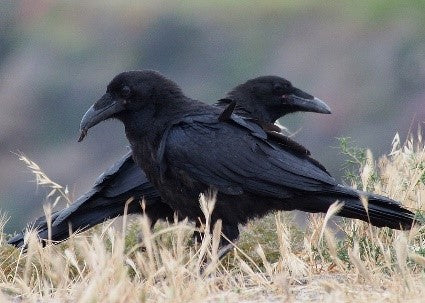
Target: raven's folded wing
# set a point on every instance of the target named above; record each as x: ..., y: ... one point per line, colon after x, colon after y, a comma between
x: 206, y: 150
x: 124, y: 180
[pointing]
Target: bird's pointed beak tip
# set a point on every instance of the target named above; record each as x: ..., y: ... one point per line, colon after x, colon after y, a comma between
x: 323, y: 107
x: 83, y: 134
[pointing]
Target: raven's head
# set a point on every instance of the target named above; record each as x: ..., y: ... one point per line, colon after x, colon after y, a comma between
x: 129, y: 92
x: 270, y: 97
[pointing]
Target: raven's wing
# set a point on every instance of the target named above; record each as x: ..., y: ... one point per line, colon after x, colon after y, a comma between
x: 124, y: 180
x: 287, y: 142
x: 123, y: 176
x: 235, y: 157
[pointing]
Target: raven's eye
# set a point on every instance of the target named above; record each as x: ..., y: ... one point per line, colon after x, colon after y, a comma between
x: 125, y: 91
x: 281, y: 88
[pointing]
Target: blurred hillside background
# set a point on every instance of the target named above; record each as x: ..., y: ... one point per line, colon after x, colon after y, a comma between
x: 366, y: 59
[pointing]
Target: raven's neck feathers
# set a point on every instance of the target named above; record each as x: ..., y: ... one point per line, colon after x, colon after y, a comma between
x: 248, y: 105
x: 157, y: 115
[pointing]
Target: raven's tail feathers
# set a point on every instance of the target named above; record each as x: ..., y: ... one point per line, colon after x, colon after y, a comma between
x: 381, y: 211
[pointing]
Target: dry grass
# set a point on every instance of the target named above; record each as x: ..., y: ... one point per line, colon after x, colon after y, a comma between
x: 275, y: 260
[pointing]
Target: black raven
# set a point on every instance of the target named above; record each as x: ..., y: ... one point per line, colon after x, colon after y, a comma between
x: 185, y: 149
x: 125, y: 182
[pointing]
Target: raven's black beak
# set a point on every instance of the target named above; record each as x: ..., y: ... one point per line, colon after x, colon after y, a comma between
x: 301, y: 101
x: 103, y: 109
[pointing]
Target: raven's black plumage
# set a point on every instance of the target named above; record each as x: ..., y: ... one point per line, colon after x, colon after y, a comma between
x: 185, y: 150
x: 259, y: 98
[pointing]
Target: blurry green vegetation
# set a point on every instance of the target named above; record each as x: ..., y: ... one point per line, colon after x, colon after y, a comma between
x: 355, y: 160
